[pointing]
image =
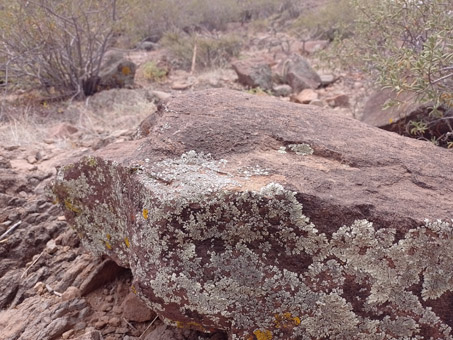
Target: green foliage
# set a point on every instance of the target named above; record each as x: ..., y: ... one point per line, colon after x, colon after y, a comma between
x: 407, y: 46
x: 212, y: 51
x: 152, y: 72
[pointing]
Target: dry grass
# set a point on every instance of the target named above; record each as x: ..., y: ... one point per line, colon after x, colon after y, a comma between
x: 109, y: 113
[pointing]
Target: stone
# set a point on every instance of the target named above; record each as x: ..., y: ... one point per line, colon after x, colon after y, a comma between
x: 67, y: 334
x: 296, y: 72
x: 90, y: 335
x: 164, y: 332
x: 305, y: 96
x: 71, y: 293
x: 116, y: 74
x: 313, y: 46
x: 135, y: 309
x: 62, y: 130
x: 327, y: 79
x: 181, y: 85
x: 114, y: 321
x: 51, y: 247
x: 105, y: 272
x: 398, y: 118
x: 282, y: 90
x: 341, y: 100
x: 267, y: 219
x: 148, y: 46
x: 254, y: 73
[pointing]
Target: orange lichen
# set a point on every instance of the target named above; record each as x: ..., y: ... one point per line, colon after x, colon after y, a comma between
x: 286, y: 320
x: 126, y: 70
x: 145, y: 214
x: 191, y: 325
x: 263, y: 335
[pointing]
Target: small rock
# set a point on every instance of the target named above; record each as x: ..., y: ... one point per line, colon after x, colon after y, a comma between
x: 180, y: 86
x: 282, y: 90
x: 115, y: 321
x: 160, y: 95
x: 71, y: 293
x: 31, y: 159
x: 318, y: 102
x: 135, y: 309
x: 106, y: 307
x: 341, y: 100
x: 39, y: 287
x: 61, y: 218
x: 117, y: 309
x: 68, y: 334
x: 327, y: 79
x: 51, y: 247
x: 62, y: 130
x: 109, y: 298
x: 100, y: 324
x: 90, y: 335
x: 305, y: 96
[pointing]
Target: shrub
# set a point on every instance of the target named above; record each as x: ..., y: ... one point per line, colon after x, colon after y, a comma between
x: 407, y: 46
x: 153, y: 72
x: 57, y: 44
x: 211, y: 51
x: 332, y: 20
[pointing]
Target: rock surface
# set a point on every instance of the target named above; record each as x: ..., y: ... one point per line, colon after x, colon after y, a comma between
x: 249, y: 215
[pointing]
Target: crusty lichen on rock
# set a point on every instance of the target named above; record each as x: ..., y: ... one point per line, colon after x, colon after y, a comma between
x: 209, y: 255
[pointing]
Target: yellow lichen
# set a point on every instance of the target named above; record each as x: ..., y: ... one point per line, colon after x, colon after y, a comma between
x: 286, y: 320
x: 145, y: 214
x: 109, y: 237
x: 263, y: 335
x: 133, y: 290
x: 91, y: 161
x: 126, y: 241
x: 70, y: 206
x: 108, y: 245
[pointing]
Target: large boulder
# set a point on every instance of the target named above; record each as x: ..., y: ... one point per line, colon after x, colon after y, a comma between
x: 116, y: 72
x: 254, y: 73
x: 272, y: 220
x: 297, y: 72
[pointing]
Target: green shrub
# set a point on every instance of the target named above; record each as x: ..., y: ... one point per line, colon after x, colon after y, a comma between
x: 406, y: 46
x: 152, y: 72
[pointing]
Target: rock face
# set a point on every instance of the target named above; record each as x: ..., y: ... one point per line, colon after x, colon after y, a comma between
x: 272, y: 220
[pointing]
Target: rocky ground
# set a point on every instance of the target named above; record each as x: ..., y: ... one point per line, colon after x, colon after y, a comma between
x: 51, y: 287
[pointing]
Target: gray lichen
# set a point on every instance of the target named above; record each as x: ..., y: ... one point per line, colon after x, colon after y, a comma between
x: 206, y: 254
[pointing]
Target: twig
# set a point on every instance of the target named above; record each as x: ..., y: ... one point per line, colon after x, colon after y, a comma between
x: 141, y: 336
x: 31, y: 265
x: 130, y: 325
x: 10, y: 229
x: 51, y: 290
